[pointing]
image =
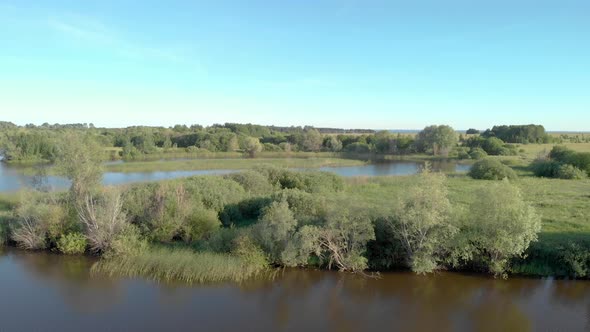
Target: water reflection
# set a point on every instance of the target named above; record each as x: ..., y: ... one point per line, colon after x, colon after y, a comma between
x: 62, y: 294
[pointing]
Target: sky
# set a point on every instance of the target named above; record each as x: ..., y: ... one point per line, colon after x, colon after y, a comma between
x: 345, y: 63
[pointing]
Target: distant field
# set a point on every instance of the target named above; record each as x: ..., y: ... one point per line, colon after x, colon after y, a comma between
x: 531, y: 151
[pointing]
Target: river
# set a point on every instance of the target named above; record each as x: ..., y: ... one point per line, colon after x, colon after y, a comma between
x: 43, y: 291
x: 12, y: 178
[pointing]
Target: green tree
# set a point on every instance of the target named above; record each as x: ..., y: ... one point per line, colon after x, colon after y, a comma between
x: 438, y: 139
x: 80, y: 160
x: 423, y: 223
x: 500, y: 226
x: 312, y: 140
x: 333, y: 144
x: 252, y: 146
x: 341, y: 242
x: 274, y: 229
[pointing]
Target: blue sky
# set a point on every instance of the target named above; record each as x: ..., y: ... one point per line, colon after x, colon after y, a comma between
x: 346, y: 63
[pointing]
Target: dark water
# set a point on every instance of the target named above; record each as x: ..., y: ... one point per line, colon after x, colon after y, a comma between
x: 44, y: 292
x: 13, y: 179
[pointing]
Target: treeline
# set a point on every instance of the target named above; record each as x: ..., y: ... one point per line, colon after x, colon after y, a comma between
x: 40, y: 143
x: 522, y: 134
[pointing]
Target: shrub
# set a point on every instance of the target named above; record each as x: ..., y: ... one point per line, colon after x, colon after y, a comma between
x: 33, y: 216
x: 201, y: 223
x: 102, y: 218
x: 128, y: 242
x: 72, y: 244
x: 463, y: 153
x: 477, y: 153
x: 307, y: 208
x: 546, y: 168
x: 312, y: 181
x: 570, y: 172
x: 252, y: 182
x: 491, y: 169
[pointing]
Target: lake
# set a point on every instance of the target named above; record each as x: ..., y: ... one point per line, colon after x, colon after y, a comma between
x: 43, y: 291
x: 13, y: 179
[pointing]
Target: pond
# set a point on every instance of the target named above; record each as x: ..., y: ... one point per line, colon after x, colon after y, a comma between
x: 13, y: 179
x: 43, y: 291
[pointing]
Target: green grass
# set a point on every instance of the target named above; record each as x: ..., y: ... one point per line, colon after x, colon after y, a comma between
x: 243, y: 163
x: 178, y: 264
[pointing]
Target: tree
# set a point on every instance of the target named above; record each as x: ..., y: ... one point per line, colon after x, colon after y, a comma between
x: 472, y: 131
x: 341, y: 242
x: 252, y: 146
x: 501, y: 225
x: 80, y: 160
x: 422, y: 222
x: 275, y: 228
x: 333, y: 144
x: 312, y: 140
x: 438, y: 139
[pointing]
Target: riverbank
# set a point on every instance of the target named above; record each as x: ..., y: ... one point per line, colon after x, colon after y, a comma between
x: 561, y: 204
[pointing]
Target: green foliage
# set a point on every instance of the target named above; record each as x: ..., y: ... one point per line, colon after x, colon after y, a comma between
x: 127, y: 243
x: 80, y: 160
x: 570, y: 172
x: 422, y: 222
x: 35, y: 216
x: 340, y: 242
x: 252, y: 146
x: 491, y: 169
x: 245, y: 248
x: 439, y: 140
x: 72, y: 244
x: 500, y: 226
x: 307, y: 208
x: 477, y: 153
x: 519, y: 134
x: 253, y: 182
x: 276, y: 226
x: 200, y: 224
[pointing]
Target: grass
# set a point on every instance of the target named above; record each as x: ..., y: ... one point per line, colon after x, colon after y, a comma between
x: 178, y: 264
x: 563, y: 205
x: 243, y: 163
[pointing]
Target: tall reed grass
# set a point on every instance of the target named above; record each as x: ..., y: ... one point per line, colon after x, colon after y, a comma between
x: 179, y: 264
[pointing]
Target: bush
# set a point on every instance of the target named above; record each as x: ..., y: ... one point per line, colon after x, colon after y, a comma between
x: 128, y: 242
x: 463, y: 153
x: 252, y: 182
x: 201, y: 223
x: 546, y: 168
x: 72, y: 244
x: 102, y: 218
x: 477, y: 153
x: 33, y: 217
x: 491, y: 169
x: 570, y: 172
